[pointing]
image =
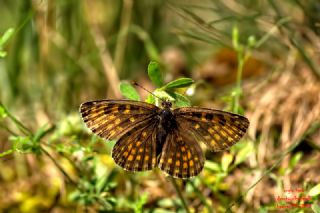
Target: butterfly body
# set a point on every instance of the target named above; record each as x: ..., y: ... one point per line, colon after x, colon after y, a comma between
x: 166, y: 124
x: 149, y: 136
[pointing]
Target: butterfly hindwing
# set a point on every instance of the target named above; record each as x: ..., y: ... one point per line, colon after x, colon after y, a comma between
x: 219, y: 130
x: 112, y: 118
x: 136, y: 149
x: 181, y: 155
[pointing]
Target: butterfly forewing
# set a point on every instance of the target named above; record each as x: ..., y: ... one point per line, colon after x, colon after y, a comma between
x: 136, y: 149
x: 181, y: 155
x: 217, y: 129
x: 112, y: 118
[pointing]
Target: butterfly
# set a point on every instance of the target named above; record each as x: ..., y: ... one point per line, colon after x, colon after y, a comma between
x: 148, y: 136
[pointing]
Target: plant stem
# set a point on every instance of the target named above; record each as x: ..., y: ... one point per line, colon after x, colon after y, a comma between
x: 23, y: 128
x: 241, y: 59
x: 184, y: 203
x: 58, y: 166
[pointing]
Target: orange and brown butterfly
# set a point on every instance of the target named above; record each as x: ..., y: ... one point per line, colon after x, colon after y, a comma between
x: 149, y: 136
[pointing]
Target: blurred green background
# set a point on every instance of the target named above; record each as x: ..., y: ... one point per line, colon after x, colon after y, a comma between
x: 257, y: 58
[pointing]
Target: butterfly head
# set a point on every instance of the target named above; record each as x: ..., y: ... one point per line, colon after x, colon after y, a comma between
x: 166, y: 104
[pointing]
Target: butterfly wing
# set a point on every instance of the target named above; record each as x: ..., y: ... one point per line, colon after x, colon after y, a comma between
x: 219, y: 130
x: 110, y: 119
x: 133, y: 123
x: 181, y: 155
x: 136, y: 149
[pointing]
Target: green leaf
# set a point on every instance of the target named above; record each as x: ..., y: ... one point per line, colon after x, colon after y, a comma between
x: 244, y: 153
x: 252, y: 41
x: 24, y: 144
x: 315, y: 190
x: 166, y: 203
x: 212, y: 166
x: 74, y: 196
x: 316, y: 208
x: 151, y: 99
x: 295, y: 159
x: 3, y: 54
x: 101, y: 184
x: 106, y: 204
x: 179, y: 83
x: 180, y: 100
x: 41, y: 132
x: 3, y: 111
x: 235, y: 37
x: 163, y: 95
x: 138, y: 207
x: 6, y: 36
x: 5, y: 153
x: 226, y: 161
x: 263, y: 210
x: 128, y: 91
x: 155, y: 74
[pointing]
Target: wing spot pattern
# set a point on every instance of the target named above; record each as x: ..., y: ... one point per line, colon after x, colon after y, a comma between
x: 130, y: 158
x: 112, y: 133
x: 132, y: 119
x: 127, y: 111
x: 185, y: 165
x: 217, y: 137
x: 117, y: 121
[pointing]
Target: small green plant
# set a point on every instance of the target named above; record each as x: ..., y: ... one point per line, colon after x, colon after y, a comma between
x: 165, y: 91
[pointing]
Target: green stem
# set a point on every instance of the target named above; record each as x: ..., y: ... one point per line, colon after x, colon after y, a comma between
x: 23, y: 128
x: 5, y: 153
x: 184, y: 203
x: 58, y: 166
x: 241, y: 60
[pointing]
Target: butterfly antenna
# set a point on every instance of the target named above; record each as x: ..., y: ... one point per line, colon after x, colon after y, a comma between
x: 138, y: 85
